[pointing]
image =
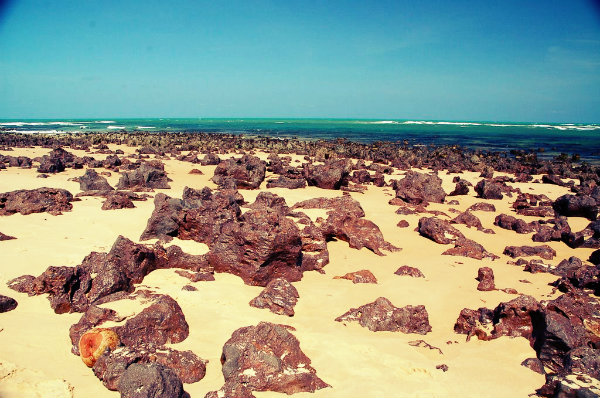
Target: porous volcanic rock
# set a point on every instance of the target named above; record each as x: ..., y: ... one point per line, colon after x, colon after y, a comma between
x: 56, y: 161
x: 362, y: 276
x: 7, y: 303
x: 383, y: 315
x: 470, y: 220
x: 39, y: 200
x: 110, y: 367
x: 265, y: 357
x: 145, y: 176
x: 589, y: 237
x: 92, y: 181
x: 286, y: 182
x: 512, y: 223
x: 150, y: 380
x: 247, y: 172
x: 279, y: 296
x: 560, y: 230
x: 117, y: 200
x: 410, y: 271
x: 575, y: 274
x: 482, y: 206
x: 576, y: 206
x: 420, y: 188
x: 461, y: 188
x: 543, y: 251
x: 331, y: 175
x: 488, y: 189
x: 485, y: 276
x: 210, y: 159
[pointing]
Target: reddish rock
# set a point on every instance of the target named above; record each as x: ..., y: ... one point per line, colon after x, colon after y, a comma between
x: 7, y: 303
x: 110, y: 367
x: 210, y: 159
x: 383, y: 315
x: 266, y: 357
x: 331, y: 175
x: 94, y: 343
x: 247, y: 172
x: 39, y: 200
x: 419, y: 188
x: 461, y: 188
x: 402, y: 224
x: 146, y: 176
x: 511, y: 223
x: 488, y: 189
x: 150, y: 380
x: 286, y: 182
x: 544, y: 251
x: 560, y: 230
x: 575, y: 274
x: 56, y: 161
x: 117, y: 200
x: 470, y: 220
x: 196, y: 172
x: 197, y: 276
x: 482, y: 206
x: 534, y: 364
x: 438, y: 230
x: 410, y: 271
x: 469, y: 248
x: 92, y: 181
x: 589, y: 237
x: 362, y: 276
x: 485, y: 276
x: 6, y: 237
x: 279, y: 296
x: 93, y: 317
x: 269, y: 200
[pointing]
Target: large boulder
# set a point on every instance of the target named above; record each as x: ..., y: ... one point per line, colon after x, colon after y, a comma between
x: 417, y: 188
x: 145, y: 176
x: 576, y: 206
x: 92, y: 181
x: 266, y: 357
x: 39, y: 200
x: 332, y: 175
x: 383, y: 315
x: 488, y: 189
x: 247, y: 172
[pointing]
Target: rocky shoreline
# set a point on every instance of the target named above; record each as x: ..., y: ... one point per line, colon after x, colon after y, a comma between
x: 310, y: 197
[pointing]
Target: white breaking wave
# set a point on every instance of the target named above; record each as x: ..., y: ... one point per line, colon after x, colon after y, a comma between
x: 115, y: 127
x: 21, y: 124
x: 105, y: 121
x: 144, y: 127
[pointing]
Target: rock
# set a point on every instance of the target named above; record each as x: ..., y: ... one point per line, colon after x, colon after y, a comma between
x: 7, y: 303
x: 6, y: 237
x: 470, y: 220
x: 196, y: 276
x: 279, y: 296
x: 511, y: 223
x: 92, y: 181
x: 576, y: 206
x: 150, y: 380
x: 438, y: 230
x: 117, y: 200
x: 553, y: 179
x: 331, y: 175
x: 210, y: 159
x: 146, y: 176
x: 402, y: 224
x: 589, y: 237
x: 161, y: 323
x: 482, y: 206
x: 186, y: 365
x: 269, y: 200
x: 485, y: 276
x: 247, y: 172
x: 383, y: 315
x: 266, y: 357
x: 461, y: 188
x: 39, y: 200
x: 534, y: 364
x: 419, y: 188
x: 362, y: 276
x: 575, y: 274
x: 469, y: 248
x: 544, y: 251
x: 94, y: 343
x: 286, y: 182
x: 196, y: 172
x: 546, y: 233
x: 487, y: 189
x: 93, y: 317
x: 595, y: 257
x: 410, y: 271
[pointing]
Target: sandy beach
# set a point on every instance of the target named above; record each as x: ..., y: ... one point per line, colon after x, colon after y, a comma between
x: 35, y: 353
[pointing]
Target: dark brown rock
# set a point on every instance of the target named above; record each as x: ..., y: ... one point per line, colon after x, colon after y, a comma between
x: 461, y: 188
x: 589, y: 237
x: 266, y: 357
x: 410, y: 271
x: 488, y: 189
x: 286, y: 182
x: 146, y: 176
x: 402, y: 224
x: 39, y: 200
x: 92, y: 181
x: 419, y: 188
x: 150, y: 380
x: 482, y: 206
x: 362, y: 276
x: 470, y: 220
x: 6, y: 237
x: 576, y: 206
x: 117, y: 200
x: 210, y: 159
x: 469, y: 248
x: 534, y: 364
x: 279, y: 296
x: 511, y: 223
x: 247, y: 172
x: 383, y: 315
x: 485, y: 276
x: 186, y: 365
x: 438, y: 230
x: 331, y: 175
x: 544, y: 251
x: 7, y: 303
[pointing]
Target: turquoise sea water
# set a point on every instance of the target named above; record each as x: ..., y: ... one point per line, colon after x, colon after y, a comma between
x: 553, y: 139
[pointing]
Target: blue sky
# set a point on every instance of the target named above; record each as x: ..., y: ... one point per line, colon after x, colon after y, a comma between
x: 454, y: 60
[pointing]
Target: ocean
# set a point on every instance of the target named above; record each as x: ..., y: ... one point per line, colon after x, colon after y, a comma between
x: 549, y: 139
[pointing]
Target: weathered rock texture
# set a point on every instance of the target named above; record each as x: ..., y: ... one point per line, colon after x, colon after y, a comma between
x: 362, y: 276
x: 420, y: 188
x: 383, y: 315
x: 247, y: 172
x: 39, y: 200
x: 279, y: 296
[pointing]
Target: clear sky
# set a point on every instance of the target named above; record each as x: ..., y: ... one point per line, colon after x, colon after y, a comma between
x: 513, y: 60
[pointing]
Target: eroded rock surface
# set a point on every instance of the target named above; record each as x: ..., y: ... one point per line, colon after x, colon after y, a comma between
x: 247, y: 172
x: 420, y: 188
x: 362, y: 276
x: 279, y: 296
x: 39, y: 200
